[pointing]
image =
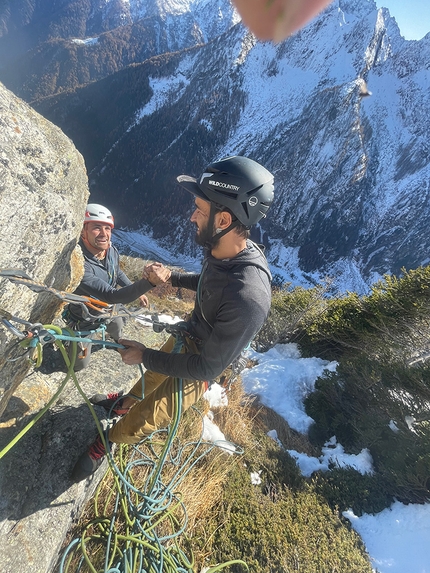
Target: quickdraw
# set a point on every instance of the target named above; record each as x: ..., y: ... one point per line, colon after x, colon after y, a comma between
x: 105, y: 312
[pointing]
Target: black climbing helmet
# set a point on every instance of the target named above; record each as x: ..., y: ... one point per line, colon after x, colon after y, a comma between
x: 242, y: 185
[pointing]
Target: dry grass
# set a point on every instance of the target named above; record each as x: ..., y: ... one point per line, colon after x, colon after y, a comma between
x: 163, y: 299
x: 133, y: 266
x: 202, y: 488
x: 166, y: 299
x: 267, y: 419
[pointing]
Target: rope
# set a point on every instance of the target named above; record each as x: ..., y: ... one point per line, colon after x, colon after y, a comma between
x: 37, y: 335
x: 138, y: 526
x: 33, y: 343
x: 70, y: 362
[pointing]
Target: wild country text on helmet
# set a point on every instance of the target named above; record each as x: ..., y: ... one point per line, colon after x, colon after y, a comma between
x: 252, y: 200
x: 220, y: 183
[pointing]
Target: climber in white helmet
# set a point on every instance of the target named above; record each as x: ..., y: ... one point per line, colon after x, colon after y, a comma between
x: 103, y: 276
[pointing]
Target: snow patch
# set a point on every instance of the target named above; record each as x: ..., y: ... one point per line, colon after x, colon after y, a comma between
x: 86, y: 41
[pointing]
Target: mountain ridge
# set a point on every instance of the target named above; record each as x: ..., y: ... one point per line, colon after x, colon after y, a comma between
x: 54, y: 48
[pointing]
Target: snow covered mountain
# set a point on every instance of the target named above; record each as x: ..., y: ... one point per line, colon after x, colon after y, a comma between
x: 48, y: 47
x: 352, y: 172
x: 205, y: 18
x: 47, y: 19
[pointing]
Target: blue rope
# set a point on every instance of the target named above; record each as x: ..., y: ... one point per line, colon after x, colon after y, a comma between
x: 143, y: 530
x: 146, y: 520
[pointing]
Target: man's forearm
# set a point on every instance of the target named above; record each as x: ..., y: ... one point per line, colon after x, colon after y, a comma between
x: 106, y: 293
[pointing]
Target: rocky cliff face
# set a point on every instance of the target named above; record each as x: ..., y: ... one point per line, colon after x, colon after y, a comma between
x: 43, y: 193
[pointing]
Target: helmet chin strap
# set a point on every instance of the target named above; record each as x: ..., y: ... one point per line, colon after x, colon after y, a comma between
x: 221, y: 232
x: 218, y: 232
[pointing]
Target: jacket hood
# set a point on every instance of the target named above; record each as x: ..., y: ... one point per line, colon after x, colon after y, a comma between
x: 252, y: 255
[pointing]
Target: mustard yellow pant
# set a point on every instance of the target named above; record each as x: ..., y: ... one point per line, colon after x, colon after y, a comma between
x: 156, y: 410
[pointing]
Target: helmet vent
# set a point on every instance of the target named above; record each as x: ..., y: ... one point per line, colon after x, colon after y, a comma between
x: 245, y: 208
x: 227, y: 193
x: 254, y: 190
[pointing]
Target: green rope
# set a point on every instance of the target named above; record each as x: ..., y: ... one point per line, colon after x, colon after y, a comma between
x: 70, y: 362
x: 141, y: 533
x: 138, y: 528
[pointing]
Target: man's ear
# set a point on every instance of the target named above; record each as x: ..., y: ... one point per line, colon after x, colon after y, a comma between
x: 224, y: 220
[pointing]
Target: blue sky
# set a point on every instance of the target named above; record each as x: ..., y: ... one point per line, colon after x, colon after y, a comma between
x: 412, y: 16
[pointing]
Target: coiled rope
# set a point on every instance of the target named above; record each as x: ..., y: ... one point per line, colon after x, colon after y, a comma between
x: 139, y: 526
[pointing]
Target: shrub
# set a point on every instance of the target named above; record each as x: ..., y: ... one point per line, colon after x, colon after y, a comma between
x: 294, y: 532
x: 371, y: 404
x: 390, y: 321
x: 291, y: 310
x: 346, y: 488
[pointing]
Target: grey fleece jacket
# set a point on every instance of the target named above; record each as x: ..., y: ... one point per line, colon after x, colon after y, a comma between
x: 102, y: 277
x: 232, y: 302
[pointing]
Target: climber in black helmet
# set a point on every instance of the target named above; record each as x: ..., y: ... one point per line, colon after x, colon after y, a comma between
x: 233, y: 295
x: 102, y: 277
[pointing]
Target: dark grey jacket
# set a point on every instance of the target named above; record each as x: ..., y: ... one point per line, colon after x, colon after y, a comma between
x: 232, y: 302
x: 102, y: 277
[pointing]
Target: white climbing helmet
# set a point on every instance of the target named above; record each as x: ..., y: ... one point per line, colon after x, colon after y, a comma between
x: 98, y: 213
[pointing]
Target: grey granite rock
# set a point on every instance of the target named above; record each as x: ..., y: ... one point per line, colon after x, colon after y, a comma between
x: 43, y: 193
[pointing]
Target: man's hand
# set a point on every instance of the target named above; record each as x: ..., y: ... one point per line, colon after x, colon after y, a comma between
x: 133, y: 351
x: 277, y: 19
x: 144, y: 300
x: 156, y: 274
